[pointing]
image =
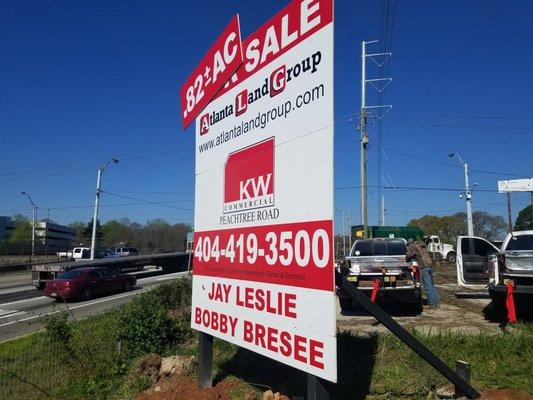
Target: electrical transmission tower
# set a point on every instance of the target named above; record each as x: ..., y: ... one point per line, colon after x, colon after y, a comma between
x: 375, y: 111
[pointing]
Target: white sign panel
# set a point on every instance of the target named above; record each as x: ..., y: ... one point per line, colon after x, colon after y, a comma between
x: 263, y: 253
x: 516, y: 185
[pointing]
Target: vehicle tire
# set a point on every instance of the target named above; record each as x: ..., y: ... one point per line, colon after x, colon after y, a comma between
x: 128, y: 286
x: 451, y: 257
x: 418, y: 304
x: 499, y: 310
x: 345, y: 303
x: 41, y: 285
x: 86, y: 294
x: 139, y: 269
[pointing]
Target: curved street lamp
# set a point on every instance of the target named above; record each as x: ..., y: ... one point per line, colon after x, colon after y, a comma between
x: 97, y: 202
x: 34, y: 208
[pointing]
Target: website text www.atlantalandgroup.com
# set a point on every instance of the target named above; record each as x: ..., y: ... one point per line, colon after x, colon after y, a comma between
x: 262, y: 119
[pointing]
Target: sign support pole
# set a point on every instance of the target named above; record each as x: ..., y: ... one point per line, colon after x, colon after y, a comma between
x: 205, y: 360
x: 316, y: 389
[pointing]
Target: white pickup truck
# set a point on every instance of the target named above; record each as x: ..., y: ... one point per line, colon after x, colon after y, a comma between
x: 77, y: 253
x: 382, y: 261
x: 479, y: 262
x: 441, y: 251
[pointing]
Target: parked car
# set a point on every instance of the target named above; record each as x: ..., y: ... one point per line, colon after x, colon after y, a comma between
x: 86, y: 283
x: 125, y: 251
x: 479, y: 262
x: 383, y: 260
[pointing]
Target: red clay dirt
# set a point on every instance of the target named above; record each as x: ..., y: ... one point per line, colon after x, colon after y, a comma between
x: 505, y: 394
x: 186, y: 388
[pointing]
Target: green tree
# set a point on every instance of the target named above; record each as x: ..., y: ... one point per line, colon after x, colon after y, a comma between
x: 19, y: 240
x: 446, y: 227
x: 115, y: 232
x: 88, y: 231
x: 79, y: 227
x: 491, y: 227
x: 524, y: 221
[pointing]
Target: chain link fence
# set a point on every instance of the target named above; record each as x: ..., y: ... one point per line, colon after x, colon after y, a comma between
x: 90, y: 358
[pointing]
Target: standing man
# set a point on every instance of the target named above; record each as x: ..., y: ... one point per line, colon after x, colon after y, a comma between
x: 418, y: 250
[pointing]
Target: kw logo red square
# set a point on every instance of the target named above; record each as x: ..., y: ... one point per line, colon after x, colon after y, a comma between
x: 204, y: 124
x: 249, y: 178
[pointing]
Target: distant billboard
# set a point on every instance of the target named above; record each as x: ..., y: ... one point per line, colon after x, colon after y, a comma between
x: 516, y: 185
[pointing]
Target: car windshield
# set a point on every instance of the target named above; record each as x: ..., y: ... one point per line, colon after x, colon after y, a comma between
x: 520, y: 242
x: 366, y: 248
x: 70, y: 274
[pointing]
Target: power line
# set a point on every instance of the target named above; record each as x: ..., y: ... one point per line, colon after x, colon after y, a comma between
x: 417, y: 188
x: 477, y: 170
x: 148, y: 201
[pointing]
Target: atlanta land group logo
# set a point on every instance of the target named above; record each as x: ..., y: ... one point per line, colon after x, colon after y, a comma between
x: 249, y: 178
x: 273, y: 85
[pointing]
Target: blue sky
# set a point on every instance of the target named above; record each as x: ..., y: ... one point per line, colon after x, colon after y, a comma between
x: 81, y: 82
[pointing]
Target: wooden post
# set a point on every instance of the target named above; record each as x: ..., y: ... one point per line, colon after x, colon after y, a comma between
x: 316, y: 389
x: 205, y: 360
x: 463, y: 370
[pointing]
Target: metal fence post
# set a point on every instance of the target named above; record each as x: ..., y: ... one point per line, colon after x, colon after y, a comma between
x: 316, y: 389
x: 463, y: 370
x: 205, y: 360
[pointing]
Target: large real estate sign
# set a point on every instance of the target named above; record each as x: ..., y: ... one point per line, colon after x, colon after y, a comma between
x: 263, y: 253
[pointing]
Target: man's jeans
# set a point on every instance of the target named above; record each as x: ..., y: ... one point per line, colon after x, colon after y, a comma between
x: 429, y: 287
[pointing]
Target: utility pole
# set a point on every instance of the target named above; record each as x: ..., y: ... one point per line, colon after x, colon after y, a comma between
x: 34, y: 221
x: 363, y: 124
x: 382, y: 211
x: 349, y: 230
x: 509, y: 215
x: 343, y: 234
x: 97, y: 203
x: 364, y: 143
x: 467, y: 195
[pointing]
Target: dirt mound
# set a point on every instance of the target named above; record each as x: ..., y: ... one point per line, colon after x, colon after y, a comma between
x: 186, y: 388
x: 505, y: 394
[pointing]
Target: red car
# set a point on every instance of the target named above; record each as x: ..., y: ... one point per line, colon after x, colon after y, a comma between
x: 85, y: 283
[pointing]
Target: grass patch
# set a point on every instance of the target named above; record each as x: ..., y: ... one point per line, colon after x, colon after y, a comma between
x: 380, y: 366
x: 90, y: 359
x: 93, y: 358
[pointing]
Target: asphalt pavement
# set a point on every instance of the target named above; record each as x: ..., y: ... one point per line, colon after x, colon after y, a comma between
x: 22, y: 305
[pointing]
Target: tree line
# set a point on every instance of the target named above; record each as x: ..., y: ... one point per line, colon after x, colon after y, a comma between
x: 153, y: 236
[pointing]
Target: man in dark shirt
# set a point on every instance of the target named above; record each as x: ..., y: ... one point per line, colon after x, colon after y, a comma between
x: 418, y: 251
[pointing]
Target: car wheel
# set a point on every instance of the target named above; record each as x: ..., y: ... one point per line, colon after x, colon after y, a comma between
x: 128, y: 286
x: 451, y: 257
x: 499, y: 310
x: 86, y: 294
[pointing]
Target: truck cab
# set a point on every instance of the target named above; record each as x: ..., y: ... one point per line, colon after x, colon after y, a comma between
x: 481, y: 264
x: 441, y: 251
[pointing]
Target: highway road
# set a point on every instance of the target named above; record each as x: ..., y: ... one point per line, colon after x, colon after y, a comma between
x: 22, y: 305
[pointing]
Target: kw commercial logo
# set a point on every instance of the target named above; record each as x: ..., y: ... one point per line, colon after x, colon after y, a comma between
x: 249, y: 178
x: 272, y: 86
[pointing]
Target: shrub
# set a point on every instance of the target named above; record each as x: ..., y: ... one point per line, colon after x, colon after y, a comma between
x: 58, y: 328
x: 145, y: 327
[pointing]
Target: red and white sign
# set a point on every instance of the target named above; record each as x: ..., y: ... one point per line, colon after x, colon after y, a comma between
x: 216, y: 67
x: 263, y: 251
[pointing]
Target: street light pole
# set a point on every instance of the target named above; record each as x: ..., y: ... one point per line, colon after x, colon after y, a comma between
x: 34, y: 220
x: 467, y: 194
x: 97, y: 203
